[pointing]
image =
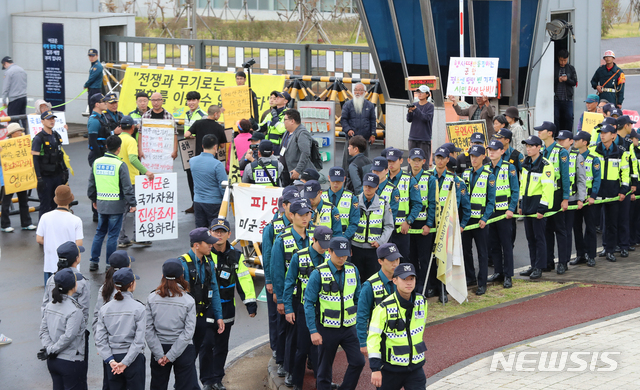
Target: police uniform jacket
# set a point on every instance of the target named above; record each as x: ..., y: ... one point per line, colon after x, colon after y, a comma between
x: 247, y: 176
x: 127, y: 196
x: 62, y: 329
x: 99, y: 303
x: 388, y: 222
x: 366, y: 305
x: 278, y: 265
x: 82, y: 294
x: 291, y: 279
x: 95, y: 76
x: 268, y: 237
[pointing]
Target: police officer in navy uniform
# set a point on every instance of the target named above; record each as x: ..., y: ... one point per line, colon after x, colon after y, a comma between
x: 112, y: 115
x: 98, y: 128
x: 265, y: 170
x: 344, y: 200
x: 324, y: 212
x: 609, y: 80
x: 625, y: 125
x: 94, y: 83
x: 386, y: 189
x: 464, y: 159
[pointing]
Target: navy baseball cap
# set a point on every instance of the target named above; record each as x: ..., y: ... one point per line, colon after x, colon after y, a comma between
x: 47, y: 115
x: 546, y: 125
x: 220, y: 223
x: 532, y: 140
x: 266, y: 146
x: 284, y: 94
x: 608, y: 129
x: 97, y: 97
x: 617, y: 112
x: 124, y: 276
x: 310, y: 174
x: 300, y: 207
x: 202, y: 234
x: 127, y: 121
x: 442, y: 152
x: 582, y: 135
x: 404, y: 270
x: 592, y: 98
x: 633, y: 134
x: 564, y: 134
x: 504, y: 133
x: 417, y: 153
x: 624, y: 119
x: 336, y: 174
x: 452, y: 164
x: 495, y: 145
x: 341, y: 246
x: 290, y: 194
x: 393, y: 154
x: 172, y: 269
x: 452, y: 147
x: 111, y: 98
x: 323, y: 235
x: 477, y: 137
x: 120, y: 259
x: 66, y: 279
x: 388, y: 251
x: 608, y: 107
x: 609, y: 121
x: 379, y: 164
x: 256, y: 136
x: 370, y: 180
x: 311, y: 189
x: 92, y: 52
x: 69, y: 252
x: 477, y: 150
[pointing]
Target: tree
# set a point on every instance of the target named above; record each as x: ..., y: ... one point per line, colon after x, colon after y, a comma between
x: 610, y: 11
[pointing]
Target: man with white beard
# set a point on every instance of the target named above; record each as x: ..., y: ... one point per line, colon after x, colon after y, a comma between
x: 420, y: 115
x: 358, y: 118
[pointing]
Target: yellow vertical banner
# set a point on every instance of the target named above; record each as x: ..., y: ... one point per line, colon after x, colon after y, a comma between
x: 234, y: 165
x: 237, y: 104
x: 591, y: 120
x: 17, y: 164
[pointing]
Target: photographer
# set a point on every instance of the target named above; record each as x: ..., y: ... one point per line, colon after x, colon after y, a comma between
x: 420, y: 116
x: 266, y: 170
x: 241, y: 79
x: 252, y: 152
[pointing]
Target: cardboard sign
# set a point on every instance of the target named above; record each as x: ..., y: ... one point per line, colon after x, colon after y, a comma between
x: 17, y: 165
x: 237, y: 104
x: 254, y: 207
x: 470, y: 76
x: 157, y: 207
x: 156, y: 138
x: 35, y: 126
x: 591, y: 120
x: 459, y: 133
x: 187, y: 149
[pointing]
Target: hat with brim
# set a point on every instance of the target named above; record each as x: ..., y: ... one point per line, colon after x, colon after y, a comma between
x: 340, y: 246
x: 323, y: 235
x: 172, y: 269
x: 532, y: 140
x: 14, y: 128
x: 404, y: 270
x: 63, y: 195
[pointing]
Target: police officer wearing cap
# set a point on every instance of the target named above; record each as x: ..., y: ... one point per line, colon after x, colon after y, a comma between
x: 120, y: 334
x: 420, y: 243
x: 500, y: 232
x: 481, y: 184
x: 386, y: 189
x: 609, y: 80
x: 634, y: 226
x: 273, y: 124
x: 266, y: 169
x: 231, y: 272
x: 94, y: 83
x: 300, y: 268
x: 374, y: 227
x: 511, y: 154
x: 344, y: 200
x: 292, y: 239
x: 112, y: 115
x: 332, y: 292
x: 395, y: 342
x: 536, y: 197
x: 62, y: 334
x: 98, y: 128
x: 464, y: 160
x: 624, y: 126
x: 376, y: 288
x: 171, y: 323
x: 324, y: 212
x: 199, y: 271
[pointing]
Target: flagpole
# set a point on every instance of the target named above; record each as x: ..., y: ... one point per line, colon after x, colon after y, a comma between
x: 426, y: 279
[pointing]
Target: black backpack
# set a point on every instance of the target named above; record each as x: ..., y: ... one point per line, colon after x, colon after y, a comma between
x: 316, y: 157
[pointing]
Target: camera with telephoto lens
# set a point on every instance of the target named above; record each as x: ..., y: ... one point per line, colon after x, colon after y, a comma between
x: 249, y: 63
x: 254, y: 147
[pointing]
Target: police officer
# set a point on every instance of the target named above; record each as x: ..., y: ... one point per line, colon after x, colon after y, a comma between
x: 112, y: 115
x: 374, y: 227
x: 537, y: 198
x: 409, y: 204
x: 386, y: 189
x: 507, y: 195
x: 94, y: 83
x: 511, y: 154
x: 171, y: 323
x: 609, y: 80
x: 142, y: 106
x: 332, y: 292
x: 98, y: 128
x: 301, y: 266
x: 481, y: 184
x: 266, y: 169
x: 62, y: 334
x: 376, y: 289
x: 203, y: 287
x: 464, y: 160
x: 624, y: 125
x: 324, y: 212
x: 395, y: 343
x: 273, y: 124
x: 231, y: 272
x: 344, y: 200
x: 195, y: 113
x: 635, y: 208
x: 120, y: 334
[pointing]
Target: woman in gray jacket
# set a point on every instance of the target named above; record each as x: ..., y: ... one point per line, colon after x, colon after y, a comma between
x: 171, y: 323
x: 120, y: 334
x: 62, y: 334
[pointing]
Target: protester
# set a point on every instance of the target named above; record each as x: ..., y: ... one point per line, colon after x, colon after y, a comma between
x: 480, y: 110
x: 208, y: 175
x: 252, y: 151
x: 14, y: 88
x: 358, y: 118
x: 421, y: 118
x: 242, y: 140
x: 158, y: 112
x: 591, y: 103
x: 516, y: 127
x: 142, y: 106
x: 241, y: 79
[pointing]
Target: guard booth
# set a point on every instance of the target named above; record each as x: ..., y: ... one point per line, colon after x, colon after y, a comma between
x: 418, y: 38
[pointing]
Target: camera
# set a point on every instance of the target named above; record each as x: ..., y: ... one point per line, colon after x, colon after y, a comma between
x: 409, y: 105
x: 249, y: 63
x: 254, y: 146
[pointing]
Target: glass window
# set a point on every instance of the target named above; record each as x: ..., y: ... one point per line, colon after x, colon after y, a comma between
x: 409, y: 18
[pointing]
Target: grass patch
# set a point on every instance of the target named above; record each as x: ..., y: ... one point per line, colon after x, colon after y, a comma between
x: 630, y: 65
x: 623, y: 30
x: 494, y: 295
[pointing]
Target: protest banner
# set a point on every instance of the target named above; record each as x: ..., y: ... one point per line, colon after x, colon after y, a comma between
x: 174, y: 85
x: 254, y: 207
x: 448, y: 251
x: 156, y: 138
x: 591, y: 120
x: 187, y: 147
x: 35, y: 126
x: 237, y: 104
x: 156, y: 211
x: 459, y: 133
x: 471, y: 76
x: 17, y: 165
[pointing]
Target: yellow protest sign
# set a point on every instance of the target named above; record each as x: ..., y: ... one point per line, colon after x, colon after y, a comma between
x: 459, y: 133
x: 591, y: 120
x: 17, y: 164
x: 237, y: 104
x: 174, y: 85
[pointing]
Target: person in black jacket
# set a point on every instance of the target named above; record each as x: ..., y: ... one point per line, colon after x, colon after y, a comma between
x: 563, y: 83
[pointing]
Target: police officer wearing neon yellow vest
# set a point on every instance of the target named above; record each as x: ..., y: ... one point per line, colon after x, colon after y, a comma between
x: 395, y: 342
x: 332, y: 292
x: 556, y: 225
x: 386, y: 189
x: 625, y: 125
x: 111, y: 192
x: 273, y: 124
x: 536, y: 197
x: 302, y: 265
x: 265, y: 170
x: 464, y: 159
x: 344, y: 200
x: 481, y: 184
x: 199, y: 269
x: 409, y: 204
x: 231, y: 272
x: 375, y: 289
x: 324, y: 213
x: 292, y: 239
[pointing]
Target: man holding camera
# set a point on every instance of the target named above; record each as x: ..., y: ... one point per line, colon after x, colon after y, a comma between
x: 420, y: 116
x: 266, y: 169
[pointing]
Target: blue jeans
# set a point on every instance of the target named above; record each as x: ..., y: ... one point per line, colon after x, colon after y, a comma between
x: 108, y: 225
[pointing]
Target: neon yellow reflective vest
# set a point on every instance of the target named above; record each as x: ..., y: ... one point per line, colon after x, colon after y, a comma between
x: 479, y: 193
x: 503, y: 188
x: 275, y: 133
x: 305, y: 268
x: 337, y: 305
x: 370, y: 225
x: 403, y: 203
x: 106, y: 171
x: 573, y: 166
x: 191, y: 117
x: 588, y: 170
x: 324, y: 217
x: 379, y: 292
x: 423, y: 187
x: 344, y: 205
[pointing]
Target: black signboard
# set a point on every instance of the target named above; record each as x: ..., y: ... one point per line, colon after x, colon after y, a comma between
x: 53, y: 63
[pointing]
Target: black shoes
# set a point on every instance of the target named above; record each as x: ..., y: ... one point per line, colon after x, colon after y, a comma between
x: 632, y: 248
x: 578, y: 260
x: 507, y: 282
x: 549, y: 268
x: 288, y: 380
x: 430, y: 293
x: 281, y: 371
x: 443, y: 299
x: 536, y: 274
x: 602, y: 253
x: 93, y: 266
x: 624, y: 253
x: 481, y: 290
x: 591, y: 262
x: 527, y: 272
x: 472, y: 282
x: 561, y: 269
x: 497, y: 277
x: 218, y: 386
x: 611, y: 257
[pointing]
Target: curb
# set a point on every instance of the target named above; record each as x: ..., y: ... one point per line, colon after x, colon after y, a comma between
x: 242, y: 350
x: 631, y: 71
x: 274, y: 382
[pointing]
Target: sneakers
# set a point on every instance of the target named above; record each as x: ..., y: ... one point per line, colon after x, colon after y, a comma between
x: 30, y: 227
x: 7, y: 230
x: 4, y: 340
x: 143, y: 243
x: 125, y: 244
x: 93, y: 266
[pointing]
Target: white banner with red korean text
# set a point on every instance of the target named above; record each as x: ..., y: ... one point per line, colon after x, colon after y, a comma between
x: 156, y: 209
x: 254, y: 207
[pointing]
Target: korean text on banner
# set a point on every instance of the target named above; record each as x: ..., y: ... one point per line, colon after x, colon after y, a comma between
x: 17, y: 165
x: 156, y: 211
x: 174, y: 85
x: 254, y: 207
x: 156, y: 137
x: 591, y: 120
x: 459, y: 133
x: 35, y: 126
x: 471, y: 76
x: 237, y: 104
x: 187, y: 149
